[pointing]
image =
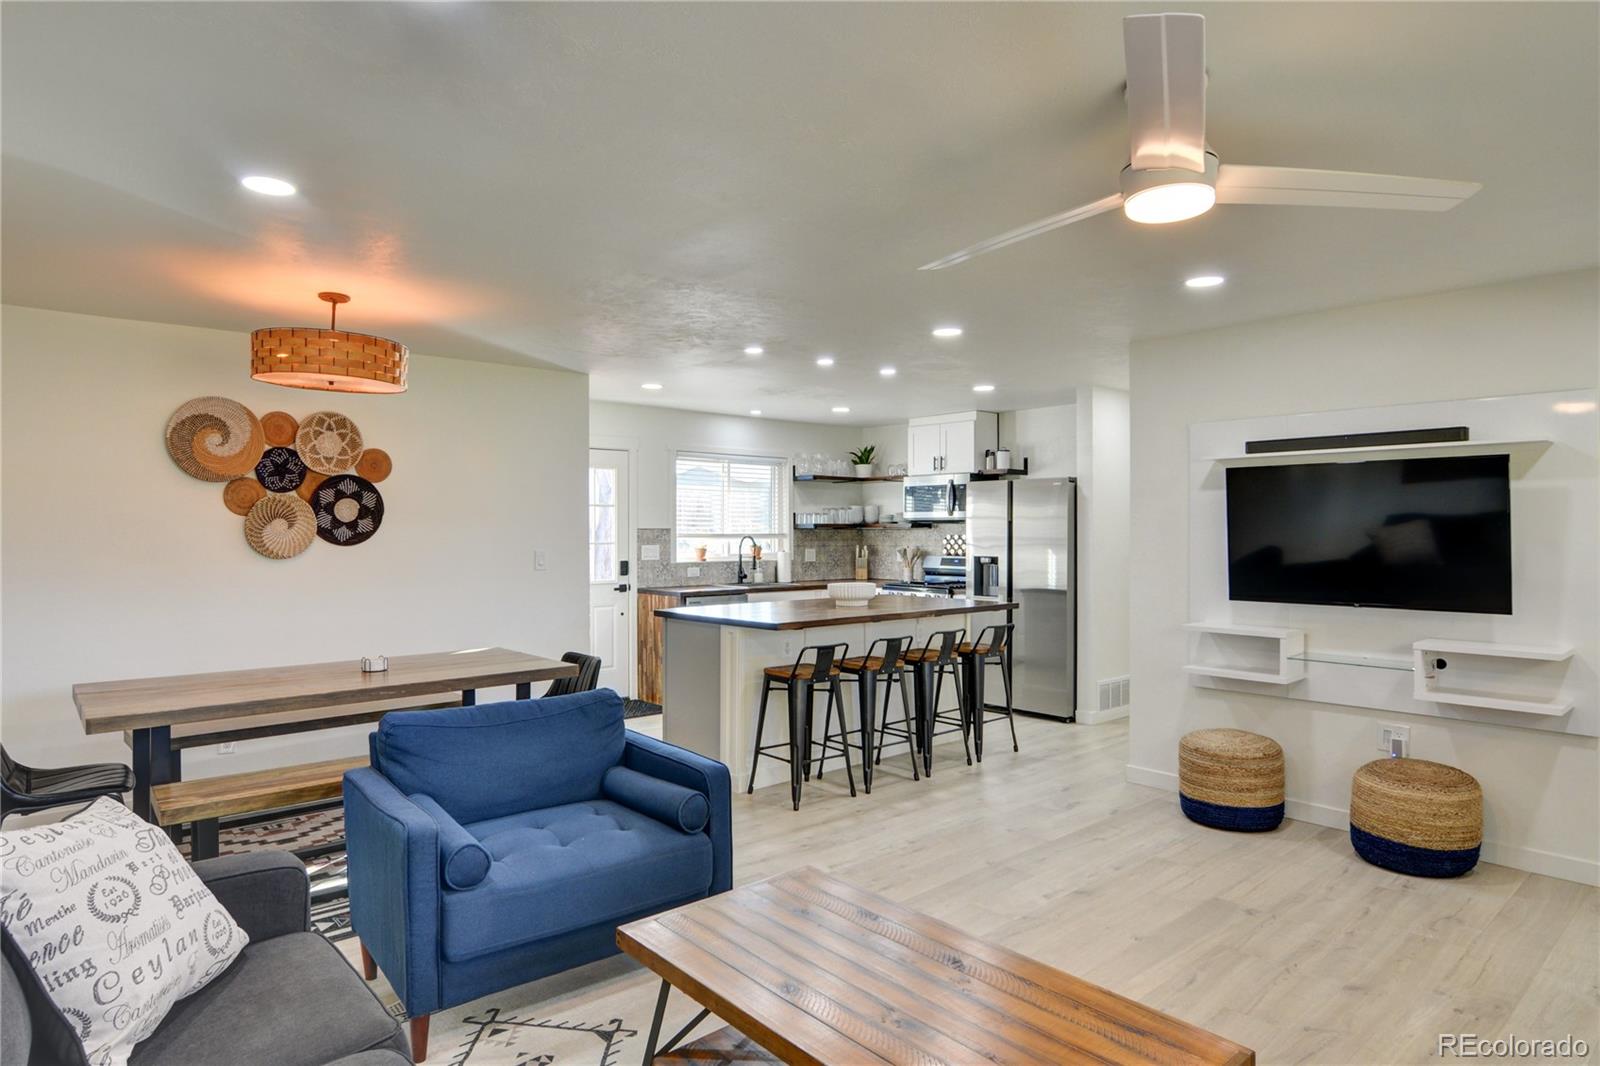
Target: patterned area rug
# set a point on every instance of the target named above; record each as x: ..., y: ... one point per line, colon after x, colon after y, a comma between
x: 305, y: 832
x: 639, y: 708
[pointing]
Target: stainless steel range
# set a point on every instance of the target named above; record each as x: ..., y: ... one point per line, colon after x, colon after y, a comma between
x: 942, y: 575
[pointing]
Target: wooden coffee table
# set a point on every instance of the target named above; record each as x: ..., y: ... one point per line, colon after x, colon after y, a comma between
x: 816, y: 970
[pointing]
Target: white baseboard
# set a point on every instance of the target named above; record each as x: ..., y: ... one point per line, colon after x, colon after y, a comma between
x: 1549, y: 863
x: 1099, y: 717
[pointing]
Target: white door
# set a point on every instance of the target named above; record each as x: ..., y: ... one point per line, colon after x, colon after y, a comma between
x: 960, y: 442
x: 610, y: 580
x: 923, y: 445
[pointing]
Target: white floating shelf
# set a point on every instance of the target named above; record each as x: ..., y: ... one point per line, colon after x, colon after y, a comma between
x: 1525, y: 450
x: 1249, y: 653
x: 1241, y: 675
x: 1428, y: 684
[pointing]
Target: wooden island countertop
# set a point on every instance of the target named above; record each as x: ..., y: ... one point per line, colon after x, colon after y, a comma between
x: 813, y: 614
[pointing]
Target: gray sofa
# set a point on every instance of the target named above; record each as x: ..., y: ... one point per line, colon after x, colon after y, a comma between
x: 289, y: 1000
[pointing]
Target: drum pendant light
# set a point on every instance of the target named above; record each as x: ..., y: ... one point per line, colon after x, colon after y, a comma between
x: 333, y: 360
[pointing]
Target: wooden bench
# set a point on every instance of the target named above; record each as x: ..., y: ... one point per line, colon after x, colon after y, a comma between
x: 204, y: 801
x: 226, y: 730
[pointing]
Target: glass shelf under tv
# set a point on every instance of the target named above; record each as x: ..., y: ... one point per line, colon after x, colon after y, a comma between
x: 1353, y: 658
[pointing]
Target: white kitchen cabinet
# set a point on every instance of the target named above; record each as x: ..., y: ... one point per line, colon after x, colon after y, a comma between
x: 951, y: 444
x: 924, y: 445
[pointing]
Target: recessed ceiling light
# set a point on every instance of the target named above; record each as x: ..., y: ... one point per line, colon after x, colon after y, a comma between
x: 754, y: 349
x: 1205, y: 281
x: 841, y: 410
x: 755, y: 410
x: 947, y: 331
x: 886, y: 371
x: 983, y: 388
x: 651, y: 385
x: 824, y: 360
x: 267, y: 186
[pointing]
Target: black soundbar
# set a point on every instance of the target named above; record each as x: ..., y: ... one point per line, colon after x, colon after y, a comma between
x: 1357, y: 440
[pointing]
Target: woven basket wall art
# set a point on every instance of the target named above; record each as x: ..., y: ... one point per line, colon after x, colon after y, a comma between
x: 241, y: 494
x: 374, y: 464
x: 280, y: 526
x: 214, y: 439
x: 280, y: 428
x: 281, y: 470
x: 349, y: 509
x: 329, y: 442
x: 309, y: 485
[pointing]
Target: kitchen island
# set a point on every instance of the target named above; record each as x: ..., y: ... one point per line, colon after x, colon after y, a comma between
x: 714, y: 656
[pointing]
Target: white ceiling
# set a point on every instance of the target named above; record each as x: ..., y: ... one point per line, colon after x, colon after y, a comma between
x: 640, y: 191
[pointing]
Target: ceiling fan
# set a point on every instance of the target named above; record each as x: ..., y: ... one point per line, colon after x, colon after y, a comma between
x: 1172, y: 174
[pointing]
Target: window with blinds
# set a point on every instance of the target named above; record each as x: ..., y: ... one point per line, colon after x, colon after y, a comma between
x: 722, y: 498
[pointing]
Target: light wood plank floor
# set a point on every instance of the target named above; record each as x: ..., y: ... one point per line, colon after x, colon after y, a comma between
x: 1285, y: 941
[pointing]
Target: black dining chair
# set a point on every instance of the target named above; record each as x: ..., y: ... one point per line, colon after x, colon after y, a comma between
x: 31, y: 788
x: 587, y: 677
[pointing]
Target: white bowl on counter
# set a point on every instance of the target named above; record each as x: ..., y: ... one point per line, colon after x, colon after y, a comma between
x: 852, y: 593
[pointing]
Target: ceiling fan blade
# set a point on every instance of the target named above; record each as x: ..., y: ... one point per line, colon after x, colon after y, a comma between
x: 1166, y: 62
x: 1032, y: 229
x: 1291, y: 186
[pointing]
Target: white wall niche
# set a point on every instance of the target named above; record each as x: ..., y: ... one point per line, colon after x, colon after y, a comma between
x: 1365, y: 657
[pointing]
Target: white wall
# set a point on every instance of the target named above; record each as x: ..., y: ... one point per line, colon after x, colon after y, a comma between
x: 1541, y: 791
x: 1103, y: 519
x: 1047, y: 436
x: 658, y: 433
x: 115, y: 564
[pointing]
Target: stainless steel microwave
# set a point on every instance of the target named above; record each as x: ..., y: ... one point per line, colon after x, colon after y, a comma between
x: 936, y: 498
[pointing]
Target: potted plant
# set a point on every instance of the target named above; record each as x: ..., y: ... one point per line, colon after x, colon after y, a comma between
x: 862, y: 458
x: 700, y: 553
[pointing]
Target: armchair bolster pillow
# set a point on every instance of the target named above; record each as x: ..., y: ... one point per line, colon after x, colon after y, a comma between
x: 463, y: 861
x: 682, y: 808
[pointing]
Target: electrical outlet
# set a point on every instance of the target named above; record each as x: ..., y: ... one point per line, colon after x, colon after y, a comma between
x: 541, y: 559
x: 693, y: 571
x: 811, y: 555
x: 226, y: 748
x: 1395, y: 740
x: 650, y: 553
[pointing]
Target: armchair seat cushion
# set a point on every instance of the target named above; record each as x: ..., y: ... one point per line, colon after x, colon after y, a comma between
x: 290, y: 1001
x: 564, y: 868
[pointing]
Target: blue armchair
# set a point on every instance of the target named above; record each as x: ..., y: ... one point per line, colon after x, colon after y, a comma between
x: 493, y: 845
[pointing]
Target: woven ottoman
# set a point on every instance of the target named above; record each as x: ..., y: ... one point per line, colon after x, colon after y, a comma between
x: 1231, y: 779
x: 1416, y: 817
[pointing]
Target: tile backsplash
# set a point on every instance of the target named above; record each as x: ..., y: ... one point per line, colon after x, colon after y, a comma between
x: 835, y: 550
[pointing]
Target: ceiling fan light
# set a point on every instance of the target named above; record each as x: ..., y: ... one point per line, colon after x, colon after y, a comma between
x: 1170, y: 203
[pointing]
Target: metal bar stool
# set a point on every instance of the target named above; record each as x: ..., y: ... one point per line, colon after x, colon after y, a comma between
x: 884, y: 661
x: 929, y: 664
x: 992, y: 648
x: 816, y: 667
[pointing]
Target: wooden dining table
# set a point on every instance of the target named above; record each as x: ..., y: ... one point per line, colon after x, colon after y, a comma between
x: 147, y: 708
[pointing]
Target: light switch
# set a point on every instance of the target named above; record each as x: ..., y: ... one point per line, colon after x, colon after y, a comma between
x: 650, y: 553
x: 541, y: 559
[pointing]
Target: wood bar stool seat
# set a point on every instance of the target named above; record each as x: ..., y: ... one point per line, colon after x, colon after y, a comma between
x: 992, y: 648
x: 815, y: 668
x: 802, y: 671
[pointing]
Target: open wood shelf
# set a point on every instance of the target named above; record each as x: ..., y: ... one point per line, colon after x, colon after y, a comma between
x: 847, y: 479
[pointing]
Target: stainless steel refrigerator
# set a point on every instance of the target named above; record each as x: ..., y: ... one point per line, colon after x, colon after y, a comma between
x: 1022, y: 546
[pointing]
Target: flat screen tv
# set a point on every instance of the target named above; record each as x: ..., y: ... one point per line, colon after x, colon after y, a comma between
x: 1422, y: 534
